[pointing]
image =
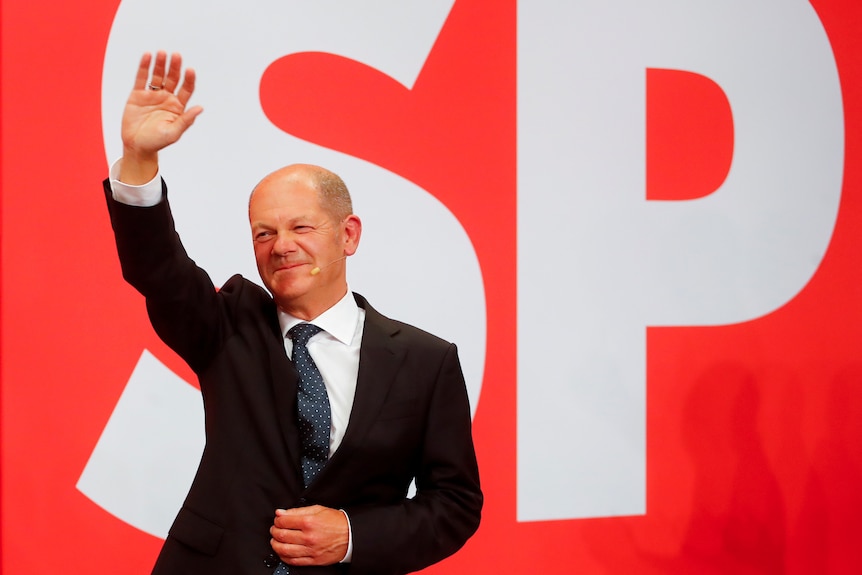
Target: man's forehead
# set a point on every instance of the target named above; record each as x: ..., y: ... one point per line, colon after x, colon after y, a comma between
x: 285, y: 192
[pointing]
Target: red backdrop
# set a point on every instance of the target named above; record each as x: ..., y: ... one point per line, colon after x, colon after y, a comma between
x: 753, y: 430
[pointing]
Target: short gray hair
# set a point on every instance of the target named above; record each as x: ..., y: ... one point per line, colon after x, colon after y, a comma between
x: 333, y: 193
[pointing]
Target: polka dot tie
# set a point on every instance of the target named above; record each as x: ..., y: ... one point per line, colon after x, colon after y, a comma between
x: 312, y: 404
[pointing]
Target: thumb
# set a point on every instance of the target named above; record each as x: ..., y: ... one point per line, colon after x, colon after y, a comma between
x: 185, y: 121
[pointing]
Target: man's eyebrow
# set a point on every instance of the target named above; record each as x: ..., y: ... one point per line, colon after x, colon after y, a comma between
x: 303, y: 219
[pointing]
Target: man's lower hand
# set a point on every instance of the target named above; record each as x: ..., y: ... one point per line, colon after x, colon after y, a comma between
x: 313, y: 535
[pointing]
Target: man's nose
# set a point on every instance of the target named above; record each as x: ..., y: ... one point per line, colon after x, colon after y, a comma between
x: 284, y: 244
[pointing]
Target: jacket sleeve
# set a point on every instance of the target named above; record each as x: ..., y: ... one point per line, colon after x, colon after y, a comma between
x: 182, y: 301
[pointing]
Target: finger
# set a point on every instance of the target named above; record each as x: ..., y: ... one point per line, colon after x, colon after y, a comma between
x: 290, y: 545
x: 177, y: 128
x: 294, y: 522
x: 143, y: 72
x: 290, y: 553
x: 188, y: 87
x: 298, y: 555
x: 189, y: 116
x: 173, y: 77
x: 297, y: 517
x: 159, y: 69
x: 298, y: 511
x: 288, y: 536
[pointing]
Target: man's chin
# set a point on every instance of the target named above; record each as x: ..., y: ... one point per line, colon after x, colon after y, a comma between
x: 285, y: 278
x: 287, y: 289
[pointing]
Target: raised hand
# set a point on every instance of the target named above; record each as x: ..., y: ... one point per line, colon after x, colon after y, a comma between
x: 155, y: 115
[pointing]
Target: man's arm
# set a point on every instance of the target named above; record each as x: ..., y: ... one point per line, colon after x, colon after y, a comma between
x: 151, y: 255
x: 414, y: 533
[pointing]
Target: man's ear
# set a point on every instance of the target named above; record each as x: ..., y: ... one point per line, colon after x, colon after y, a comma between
x: 352, y: 230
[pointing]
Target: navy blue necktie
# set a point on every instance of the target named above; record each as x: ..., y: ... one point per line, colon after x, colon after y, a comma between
x: 312, y: 404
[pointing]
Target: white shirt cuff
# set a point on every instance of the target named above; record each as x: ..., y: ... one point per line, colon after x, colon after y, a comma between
x: 348, y: 557
x: 145, y: 195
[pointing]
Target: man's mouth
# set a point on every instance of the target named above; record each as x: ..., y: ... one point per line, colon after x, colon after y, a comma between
x: 290, y: 266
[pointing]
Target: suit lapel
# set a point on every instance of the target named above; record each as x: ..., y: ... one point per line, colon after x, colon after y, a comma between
x: 380, y: 358
x: 284, y: 381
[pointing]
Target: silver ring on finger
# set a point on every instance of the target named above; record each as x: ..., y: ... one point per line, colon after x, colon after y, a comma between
x: 150, y: 86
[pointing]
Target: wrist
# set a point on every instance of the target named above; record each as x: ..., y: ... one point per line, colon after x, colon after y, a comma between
x: 137, y: 168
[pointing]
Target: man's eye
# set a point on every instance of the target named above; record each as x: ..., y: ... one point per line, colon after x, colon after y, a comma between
x: 263, y: 236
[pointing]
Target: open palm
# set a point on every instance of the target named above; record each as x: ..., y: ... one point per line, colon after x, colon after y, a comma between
x: 155, y: 116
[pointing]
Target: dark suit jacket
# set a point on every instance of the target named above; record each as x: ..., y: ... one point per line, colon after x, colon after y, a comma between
x: 410, y: 418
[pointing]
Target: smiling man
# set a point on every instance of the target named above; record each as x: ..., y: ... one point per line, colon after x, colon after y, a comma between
x: 303, y: 228
x: 320, y: 411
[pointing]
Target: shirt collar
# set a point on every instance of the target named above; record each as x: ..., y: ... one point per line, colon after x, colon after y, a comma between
x: 339, y: 321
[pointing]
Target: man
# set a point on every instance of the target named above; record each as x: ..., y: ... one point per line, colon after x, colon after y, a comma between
x: 394, y: 408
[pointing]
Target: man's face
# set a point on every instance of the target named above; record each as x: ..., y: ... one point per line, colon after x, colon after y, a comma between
x: 292, y: 236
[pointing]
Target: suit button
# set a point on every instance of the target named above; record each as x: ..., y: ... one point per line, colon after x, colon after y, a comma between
x: 303, y: 500
x: 271, y: 561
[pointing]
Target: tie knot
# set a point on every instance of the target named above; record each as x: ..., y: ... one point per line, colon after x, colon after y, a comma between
x: 302, y: 332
